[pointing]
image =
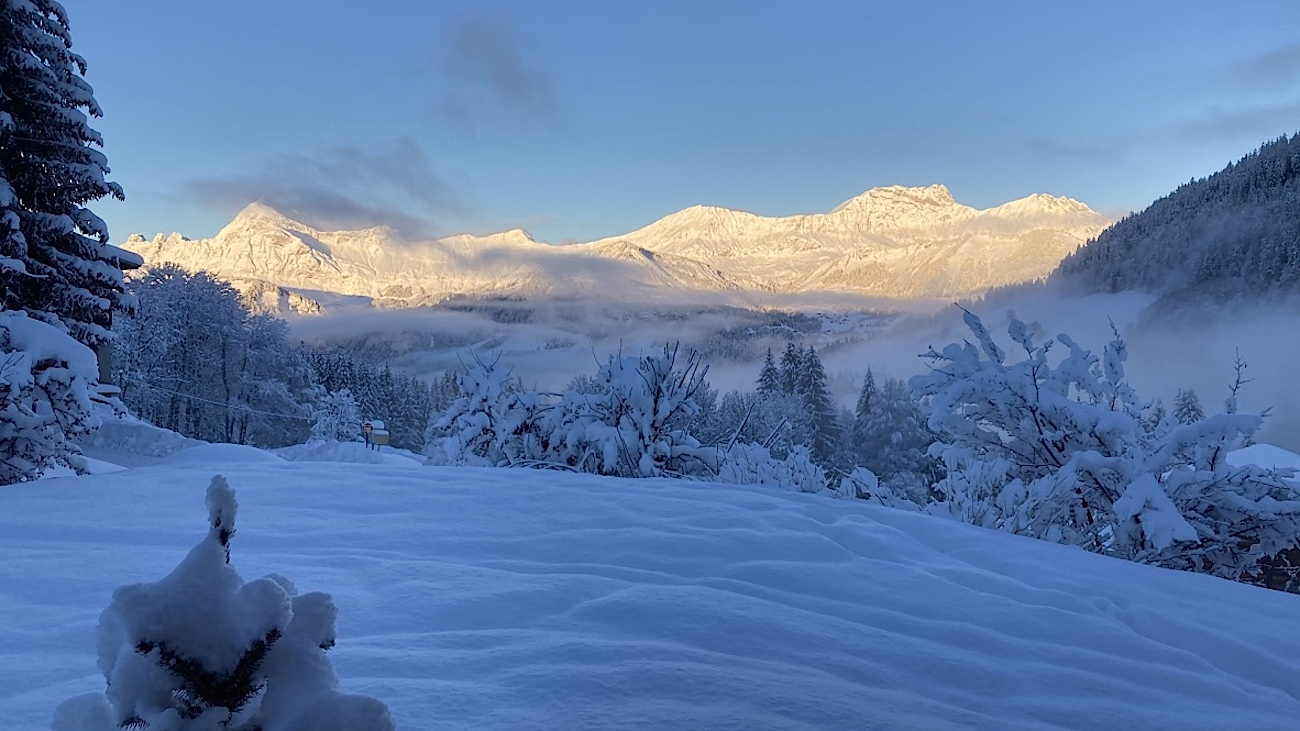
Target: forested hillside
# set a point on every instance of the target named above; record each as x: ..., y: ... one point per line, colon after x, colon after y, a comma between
x: 1234, y: 232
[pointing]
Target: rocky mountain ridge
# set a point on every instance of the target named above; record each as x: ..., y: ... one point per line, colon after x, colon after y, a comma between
x: 895, y: 242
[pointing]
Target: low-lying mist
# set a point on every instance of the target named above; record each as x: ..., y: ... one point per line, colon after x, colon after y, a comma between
x: 547, y: 343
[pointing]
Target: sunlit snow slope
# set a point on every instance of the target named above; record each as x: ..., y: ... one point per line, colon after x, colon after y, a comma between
x: 503, y: 599
x: 890, y: 242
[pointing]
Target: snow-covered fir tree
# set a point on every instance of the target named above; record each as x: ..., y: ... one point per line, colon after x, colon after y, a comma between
x: 769, y: 379
x: 1054, y: 448
x: 54, y: 259
x: 201, y: 649
x: 892, y: 440
x: 866, y: 396
x: 403, y: 402
x: 811, y: 382
x: 1187, y: 407
x: 1153, y: 418
x: 791, y: 366
x: 57, y: 273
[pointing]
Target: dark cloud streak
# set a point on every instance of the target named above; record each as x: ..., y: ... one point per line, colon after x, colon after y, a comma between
x: 1042, y: 147
x: 1277, y: 67
x: 493, y: 76
x: 343, y: 187
x: 1259, y: 123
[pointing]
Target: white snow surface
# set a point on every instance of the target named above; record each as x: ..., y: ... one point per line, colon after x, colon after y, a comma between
x: 125, y: 439
x: 496, y: 599
x: 1267, y: 456
x: 892, y: 242
x: 219, y: 454
x: 350, y: 452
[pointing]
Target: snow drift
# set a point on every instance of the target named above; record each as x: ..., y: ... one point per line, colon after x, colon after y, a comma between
x: 489, y: 599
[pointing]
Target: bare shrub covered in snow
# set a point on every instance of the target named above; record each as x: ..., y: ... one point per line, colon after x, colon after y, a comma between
x: 336, y: 418
x: 195, y: 360
x: 634, y: 427
x: 201, y: 649
x: 753, y: 464
x: 1056, y: 449
x: 492, y: 423
x: 633, y: 418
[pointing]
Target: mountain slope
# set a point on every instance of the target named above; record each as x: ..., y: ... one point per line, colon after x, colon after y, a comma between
x: 891, y: 242
x: 1236, y: 232
x: 508, y: 599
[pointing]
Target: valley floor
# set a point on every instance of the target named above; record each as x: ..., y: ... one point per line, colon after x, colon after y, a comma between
x: 496, y: 599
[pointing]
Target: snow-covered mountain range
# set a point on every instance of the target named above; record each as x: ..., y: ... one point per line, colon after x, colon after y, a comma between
x: 890, y: 242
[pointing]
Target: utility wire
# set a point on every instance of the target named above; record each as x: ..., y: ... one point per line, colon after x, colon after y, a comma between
x: 216, y: 403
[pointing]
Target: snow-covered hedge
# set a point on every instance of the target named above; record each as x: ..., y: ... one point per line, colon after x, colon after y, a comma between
x: 201, y: 650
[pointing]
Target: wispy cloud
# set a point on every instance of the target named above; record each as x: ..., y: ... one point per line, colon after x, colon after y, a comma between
x: 1042, y: 147
x: 1276, y: 67
x: 343, y: 187
x: 1258, y: 123
x: 493, y: 76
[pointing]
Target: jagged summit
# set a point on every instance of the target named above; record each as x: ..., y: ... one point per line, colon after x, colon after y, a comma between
x: 258, y: 213
x: 514, y: 236
x: 893, y: 241
x: 1040, y: 204
x: 933, y: 195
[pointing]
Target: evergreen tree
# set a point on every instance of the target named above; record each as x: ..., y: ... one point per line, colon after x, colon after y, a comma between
x: 54, y: 262
x: 1187, y: 407
x: 56, y: 273
x: 817, y: 396
x: 803, y: 378
x: 791, y: 365
x: 769, y: 380
x: 1154, y: 416
x: 866, y: 397
x: 893, y: 440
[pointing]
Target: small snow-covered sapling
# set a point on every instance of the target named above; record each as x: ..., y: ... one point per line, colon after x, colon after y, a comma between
x: 201, y: 649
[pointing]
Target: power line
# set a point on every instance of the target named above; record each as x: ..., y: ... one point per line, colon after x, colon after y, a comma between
x: 216, y: 403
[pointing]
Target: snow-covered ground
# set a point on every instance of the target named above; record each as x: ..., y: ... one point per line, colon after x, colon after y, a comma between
x: 503, y: 599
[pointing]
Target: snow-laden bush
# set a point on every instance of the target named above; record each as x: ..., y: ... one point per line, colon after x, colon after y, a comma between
x: 773, y: 418
x: 494, y: 423
x: 633, y: 426
x: 753, y: 464
x: 337, y: 418
x: 625, y: 421
x: 45, y: 382
x: 1056, y: 449
x: 201, y: 650
x: 863, y: 484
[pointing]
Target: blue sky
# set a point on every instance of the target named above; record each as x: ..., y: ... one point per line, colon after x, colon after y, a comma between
x: 577, y: 120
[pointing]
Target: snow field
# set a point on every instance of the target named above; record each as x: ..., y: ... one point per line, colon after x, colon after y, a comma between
x: 490, y: 599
